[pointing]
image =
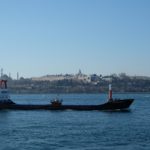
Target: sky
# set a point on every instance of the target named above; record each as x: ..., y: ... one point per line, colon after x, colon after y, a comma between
x: 40, y: 37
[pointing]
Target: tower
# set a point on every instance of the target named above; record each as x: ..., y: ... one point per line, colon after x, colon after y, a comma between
x: 9, y: 75
x: 17, y: 75
x: 1, y: 73
x: 79, y: 73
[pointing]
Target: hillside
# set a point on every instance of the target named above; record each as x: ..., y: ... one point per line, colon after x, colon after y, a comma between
x: 94, y: 84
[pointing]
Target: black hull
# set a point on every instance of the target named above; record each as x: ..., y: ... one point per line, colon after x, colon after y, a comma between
x: 113, y: 105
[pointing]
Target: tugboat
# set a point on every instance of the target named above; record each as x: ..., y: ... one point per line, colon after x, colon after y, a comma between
x: 56, y: 104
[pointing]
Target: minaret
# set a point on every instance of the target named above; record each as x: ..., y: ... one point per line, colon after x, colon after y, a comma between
x: 80, y: 72
x: 17, y: 75
x: 1, y: 73
x: 9, y: 75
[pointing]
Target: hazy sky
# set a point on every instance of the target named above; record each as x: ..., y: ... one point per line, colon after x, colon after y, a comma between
x: 39, y: 37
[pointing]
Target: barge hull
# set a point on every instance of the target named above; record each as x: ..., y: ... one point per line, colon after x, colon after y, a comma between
x: 113, y: 105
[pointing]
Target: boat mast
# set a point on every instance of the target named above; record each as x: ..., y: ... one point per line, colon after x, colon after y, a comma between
x: 110, y: 93
x: 3, y: 84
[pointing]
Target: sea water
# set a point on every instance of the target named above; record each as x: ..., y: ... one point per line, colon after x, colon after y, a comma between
x: 76, y: 130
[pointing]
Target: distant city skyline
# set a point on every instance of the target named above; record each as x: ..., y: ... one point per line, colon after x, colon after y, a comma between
x: 79, y: 74
x: 58, y: 37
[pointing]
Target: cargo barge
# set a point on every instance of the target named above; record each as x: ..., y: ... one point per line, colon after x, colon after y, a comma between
x: 56, y: 104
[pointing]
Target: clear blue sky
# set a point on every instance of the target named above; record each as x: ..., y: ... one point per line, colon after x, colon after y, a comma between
x: 39, y: 37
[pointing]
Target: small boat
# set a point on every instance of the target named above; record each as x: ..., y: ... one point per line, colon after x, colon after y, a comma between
x: 56, y: 104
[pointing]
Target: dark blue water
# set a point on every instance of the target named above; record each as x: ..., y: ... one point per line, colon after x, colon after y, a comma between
x: 76, y: 130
